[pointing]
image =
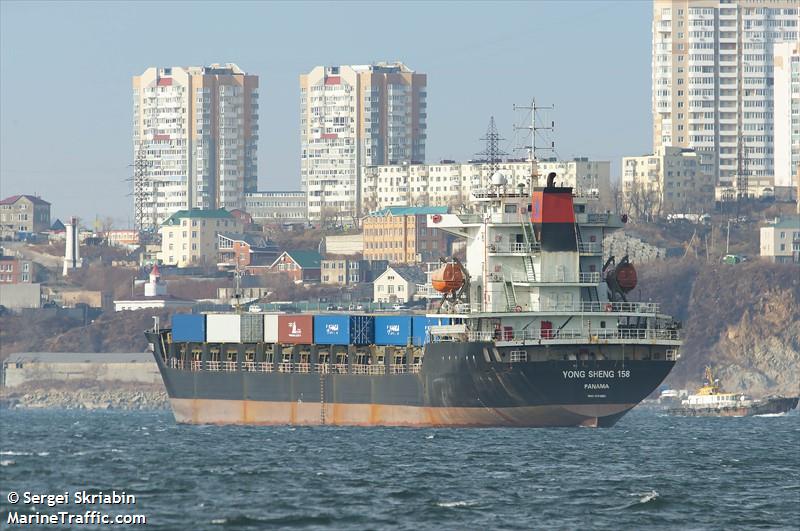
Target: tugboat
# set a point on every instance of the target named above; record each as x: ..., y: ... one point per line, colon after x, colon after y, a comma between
x: 712, y: 401
x: 534, y: 329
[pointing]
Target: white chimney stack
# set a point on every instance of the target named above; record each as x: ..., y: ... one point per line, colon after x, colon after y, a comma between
x: 72, y: 253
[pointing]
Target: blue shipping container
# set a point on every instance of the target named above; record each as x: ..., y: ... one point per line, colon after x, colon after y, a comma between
x: 188, y: 327
x: 392, y: 329
x: 422, y: 324
x: 362, y: 329
x: 332, y: 329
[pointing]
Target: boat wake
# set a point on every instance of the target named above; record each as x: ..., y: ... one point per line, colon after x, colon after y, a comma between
x: 646, y: 499
x: 456, y: 504
x: 768, y: 415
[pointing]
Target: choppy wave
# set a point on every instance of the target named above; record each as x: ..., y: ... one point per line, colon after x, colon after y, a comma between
x: 247, y: 477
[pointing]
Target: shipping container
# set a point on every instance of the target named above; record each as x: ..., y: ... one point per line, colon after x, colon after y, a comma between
x: 392, y: 329
x: 188, y: 327
x: 362, y: 329
x: 271, y: 328
x: 223, y: 328
x: 252, y: 325
x: 422, y: 324
x: 332, y: 329
x: 296, y: 328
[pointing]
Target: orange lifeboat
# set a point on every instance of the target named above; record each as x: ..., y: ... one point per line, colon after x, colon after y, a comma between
x: 448, y: 279
x: 626, y: 276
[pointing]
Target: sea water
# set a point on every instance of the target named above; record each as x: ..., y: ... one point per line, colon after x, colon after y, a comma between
x: 648, y: 471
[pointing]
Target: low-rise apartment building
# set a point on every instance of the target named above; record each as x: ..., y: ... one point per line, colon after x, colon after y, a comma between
x: 780, y: 241
x: 15, y: 270
x: 189, y: 237
x: 23, y: 214
x: 350, y: 271
x: 277, y: 207
x: 400, y: 235
x: 671, y: 181
x: 450, y: 183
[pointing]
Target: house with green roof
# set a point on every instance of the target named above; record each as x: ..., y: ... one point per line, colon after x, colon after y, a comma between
x: 300, y: 266
x: 189, y: 237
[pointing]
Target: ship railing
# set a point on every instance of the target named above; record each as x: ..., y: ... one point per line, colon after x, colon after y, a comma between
x: 572, y: 334
x: 513, y: 247
x: 212, y: 365
x: 196, y: 365
x: 303, y: 367
x: 368, y: 369
x: 590, y: 248
x: 583, y: 278
x: 414, y: 368
x: 672, y: 354
x: 285, y: 366
x: 229, y: 366
x: 398, y: 369
x: 322, y: 368
x: 175, y: 363
x: 265, y: 366
x: 340, y: 368
x: 586, y: 306
x: 249, y: 366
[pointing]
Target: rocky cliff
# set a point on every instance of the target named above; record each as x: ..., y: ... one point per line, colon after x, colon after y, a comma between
x: 743, y: 320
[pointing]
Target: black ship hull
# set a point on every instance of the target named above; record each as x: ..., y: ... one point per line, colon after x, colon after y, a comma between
x: 457, y: 384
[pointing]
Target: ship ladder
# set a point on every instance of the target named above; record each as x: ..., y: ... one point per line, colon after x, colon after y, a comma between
x: 527, y: 231
x: 322, y: 398
x: 578, y: 236
x: 511, y: 299
x: 529, y: 269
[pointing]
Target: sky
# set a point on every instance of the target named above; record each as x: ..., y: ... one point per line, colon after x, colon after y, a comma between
x: 66, y: 68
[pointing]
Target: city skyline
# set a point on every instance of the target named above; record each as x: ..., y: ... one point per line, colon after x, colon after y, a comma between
x: 480, y: 60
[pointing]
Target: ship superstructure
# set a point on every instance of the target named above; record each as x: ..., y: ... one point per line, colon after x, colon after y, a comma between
x: 539, y: 277
x: 536, y: 329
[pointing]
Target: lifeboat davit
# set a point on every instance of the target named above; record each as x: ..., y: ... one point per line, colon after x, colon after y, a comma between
x: 448, y: 279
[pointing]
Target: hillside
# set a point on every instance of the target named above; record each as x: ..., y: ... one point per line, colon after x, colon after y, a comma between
x: 111, y: 332
x: 744, y: 320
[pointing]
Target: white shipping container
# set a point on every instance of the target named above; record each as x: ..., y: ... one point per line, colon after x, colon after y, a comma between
x: 223, y: 328
x: 271, y: 328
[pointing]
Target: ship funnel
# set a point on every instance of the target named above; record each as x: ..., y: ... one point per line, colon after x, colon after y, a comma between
x: 553, y: 217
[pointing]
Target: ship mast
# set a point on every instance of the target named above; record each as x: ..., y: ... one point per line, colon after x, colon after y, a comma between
x: 531, y: 148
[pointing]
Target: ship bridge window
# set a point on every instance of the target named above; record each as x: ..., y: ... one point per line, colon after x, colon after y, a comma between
x: 602, y: 324
x: 511, y: 209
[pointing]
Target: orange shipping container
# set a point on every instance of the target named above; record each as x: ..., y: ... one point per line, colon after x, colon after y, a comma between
x: 295, y: 329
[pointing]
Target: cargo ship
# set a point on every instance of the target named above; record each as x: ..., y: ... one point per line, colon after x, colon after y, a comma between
x: 711, y: 400
x: 535, y: 329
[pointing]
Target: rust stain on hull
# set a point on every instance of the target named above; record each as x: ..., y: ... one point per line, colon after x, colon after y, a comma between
x: 208, y: 411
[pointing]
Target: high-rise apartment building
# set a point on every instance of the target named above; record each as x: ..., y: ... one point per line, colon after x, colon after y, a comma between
x: 355, y: 116
x: 712, y: 80
x: 787, y: 114
x: 196, y: 131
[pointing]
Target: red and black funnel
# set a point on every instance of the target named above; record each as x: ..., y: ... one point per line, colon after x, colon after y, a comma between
x: 553, y: 217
